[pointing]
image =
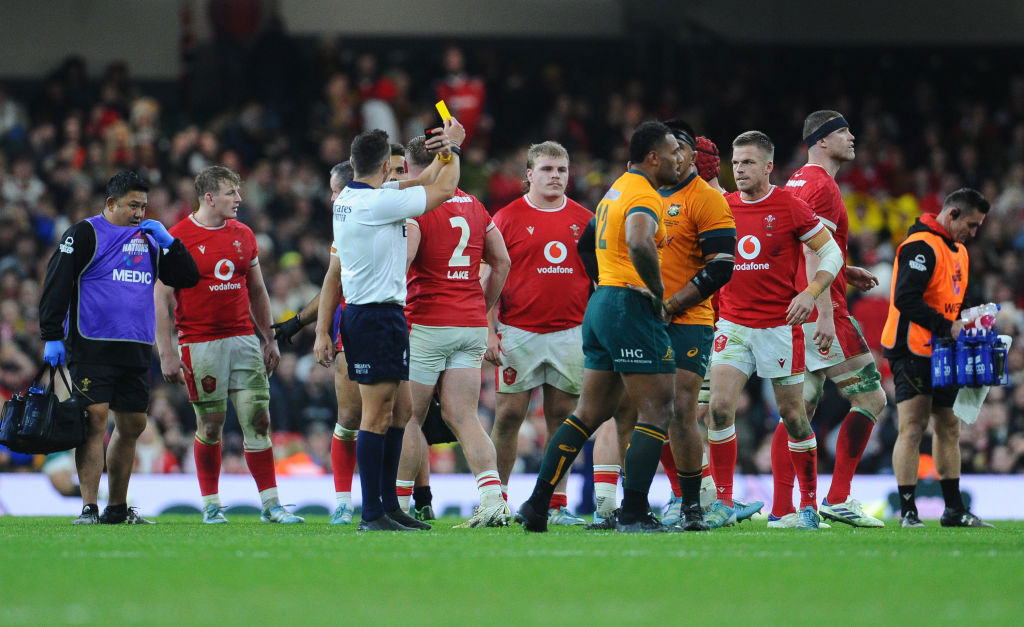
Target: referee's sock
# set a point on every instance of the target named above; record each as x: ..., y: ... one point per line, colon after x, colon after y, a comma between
x: 389, y: 468
x: 642, y: 458
x: 565, y: 445
x: 370, y: 454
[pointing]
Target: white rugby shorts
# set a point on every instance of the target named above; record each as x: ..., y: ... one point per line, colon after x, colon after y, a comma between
x: 230, y: 363
x: 533, y: 359
x: 773, y: 353
x: 432, y: 350
x: 849, y: 342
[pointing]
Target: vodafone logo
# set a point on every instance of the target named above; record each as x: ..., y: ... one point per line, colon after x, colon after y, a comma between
x: 555, y: 252
x: 749, y: 247
x: 224, y: 270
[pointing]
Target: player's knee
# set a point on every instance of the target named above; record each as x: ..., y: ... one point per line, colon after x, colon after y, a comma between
x: 872, y: 402
x: 814, y: 388
x: 211, y: 432
x: 792, y: 411
x: 348, y: 419
x: 253, y: 409
x: 721, y: 414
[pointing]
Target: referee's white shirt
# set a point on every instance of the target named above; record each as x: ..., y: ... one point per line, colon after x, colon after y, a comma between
x: 369, y: 235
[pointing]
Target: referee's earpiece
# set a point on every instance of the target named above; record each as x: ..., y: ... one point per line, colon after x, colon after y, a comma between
x: 955, y: 213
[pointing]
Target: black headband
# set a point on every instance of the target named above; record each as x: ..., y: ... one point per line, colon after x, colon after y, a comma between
x: 684, y: 137
x: 826, y: 129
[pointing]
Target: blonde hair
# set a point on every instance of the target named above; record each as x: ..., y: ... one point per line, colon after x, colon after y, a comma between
x: 209, y: 180
x: 545, y: 149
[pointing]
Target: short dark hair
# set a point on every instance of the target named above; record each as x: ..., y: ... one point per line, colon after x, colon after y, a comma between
x: 370, y: 149
x: 816, y: 119
x: 124, y: 182
x: 343, y: 172
x: 647, y: 137
x: 967, y: 200
x: 758, y: 139
x: 397, y: 150
x: 678, y: 124
x: 416, y: 152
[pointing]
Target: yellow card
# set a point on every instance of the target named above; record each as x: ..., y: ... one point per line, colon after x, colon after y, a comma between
x: 442, y: 108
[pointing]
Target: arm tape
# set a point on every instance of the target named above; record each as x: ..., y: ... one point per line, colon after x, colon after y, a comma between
x: 831, y: 258
x: 713, y: 276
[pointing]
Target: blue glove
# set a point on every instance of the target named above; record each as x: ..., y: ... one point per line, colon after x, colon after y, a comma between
x: 54, y: 353
x: 158, y: 231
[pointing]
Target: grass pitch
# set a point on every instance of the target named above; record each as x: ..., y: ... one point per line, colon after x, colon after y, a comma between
x: 181, y: 571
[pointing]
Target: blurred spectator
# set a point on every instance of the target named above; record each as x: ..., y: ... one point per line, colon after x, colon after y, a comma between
x: 283, y: 110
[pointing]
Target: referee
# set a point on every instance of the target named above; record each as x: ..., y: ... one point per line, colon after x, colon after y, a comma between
x: 370, y: 237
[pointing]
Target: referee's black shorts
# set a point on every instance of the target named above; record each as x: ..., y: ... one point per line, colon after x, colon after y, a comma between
x: 376, y: 340
x: 912, y: 376
x: 124, y: 389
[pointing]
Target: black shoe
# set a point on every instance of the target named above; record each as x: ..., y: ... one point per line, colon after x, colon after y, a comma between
x: 961, y: 518
x: 532, y: 519
x: 606, y: 524
x: 384, y: 523
x: 402, y: 518
x: 424, y: 513
x: 130, y: 516
x: 90, y: 516
x: 648, y: 523
x: 693, y: 519
x: 910, y: 519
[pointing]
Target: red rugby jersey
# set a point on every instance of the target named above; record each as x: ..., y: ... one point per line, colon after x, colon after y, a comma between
x: 769, y: 234
x: 444, y: 279
x: 813, y: 185
x: 547, y: 286
x: 218, y: 306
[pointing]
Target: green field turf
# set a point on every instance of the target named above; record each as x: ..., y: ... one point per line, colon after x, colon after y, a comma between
x: 180, y: 571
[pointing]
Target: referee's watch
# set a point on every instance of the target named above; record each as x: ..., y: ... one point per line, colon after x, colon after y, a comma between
x: 455, y: 148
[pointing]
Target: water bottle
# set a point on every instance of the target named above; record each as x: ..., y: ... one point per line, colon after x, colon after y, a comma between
x: 983, y: 367
x: 964, y: 358
x: 981, y: 317
x: 1000, y: 373
x: 942, y: 363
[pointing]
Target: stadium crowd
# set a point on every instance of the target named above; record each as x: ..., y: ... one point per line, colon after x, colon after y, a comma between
x: 283, y: 130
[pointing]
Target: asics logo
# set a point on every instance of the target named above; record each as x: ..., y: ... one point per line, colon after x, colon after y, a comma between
x: 567, y: 448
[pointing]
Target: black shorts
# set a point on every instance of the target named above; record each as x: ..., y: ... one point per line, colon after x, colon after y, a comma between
x: 376, y: 339
x: 913, y: 376
x: 125, y: 389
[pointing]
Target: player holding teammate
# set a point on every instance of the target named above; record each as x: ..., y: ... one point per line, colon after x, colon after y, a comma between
x: 625, y: 343
x: 760, y: 317
x: 447, y: 312
x: 838, y: 350
x: 220, y: 353
x: 698, y: 261
x: 707, y: 164
x: 540, y: 312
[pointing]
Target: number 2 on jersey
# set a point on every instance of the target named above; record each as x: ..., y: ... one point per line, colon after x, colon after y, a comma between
x: 458, y: 259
